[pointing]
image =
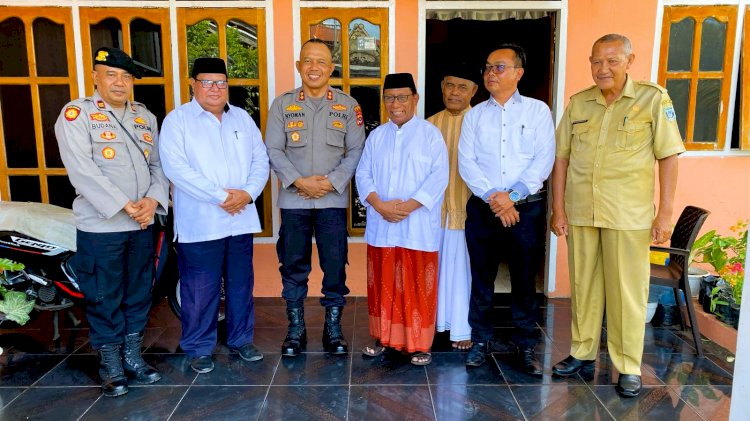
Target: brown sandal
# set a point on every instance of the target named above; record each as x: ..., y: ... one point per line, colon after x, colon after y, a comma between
x: 373, y: 350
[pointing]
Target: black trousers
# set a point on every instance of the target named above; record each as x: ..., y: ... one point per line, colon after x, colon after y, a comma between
x: 115, y: 272
x: 523, y: 245
x: 294, y: 249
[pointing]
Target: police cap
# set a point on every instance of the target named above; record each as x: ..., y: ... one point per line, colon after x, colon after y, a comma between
x: 114, y: 57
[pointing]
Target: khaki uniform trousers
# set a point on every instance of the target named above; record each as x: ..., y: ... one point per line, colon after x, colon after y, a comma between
x: 609, y: 266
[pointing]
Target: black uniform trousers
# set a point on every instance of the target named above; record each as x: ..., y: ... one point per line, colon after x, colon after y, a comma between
x: 115, y: 273
x: 523, y: 245
x: 294, y: 249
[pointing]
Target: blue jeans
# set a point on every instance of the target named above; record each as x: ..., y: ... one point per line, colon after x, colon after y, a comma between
x: 202, y: 266
x: 294, y: 249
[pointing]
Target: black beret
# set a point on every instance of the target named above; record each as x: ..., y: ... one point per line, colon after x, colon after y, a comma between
x: 208, y: 65
x: 462, y: 70
x: 114, y: 57
x: 399, y: 80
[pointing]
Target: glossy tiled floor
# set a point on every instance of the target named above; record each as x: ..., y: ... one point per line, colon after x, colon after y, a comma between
x: 46, y: 379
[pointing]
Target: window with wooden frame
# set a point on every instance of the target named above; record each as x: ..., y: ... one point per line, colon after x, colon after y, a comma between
x: 238, y: 37
x: 695, y: 65
x: 360, y: 57
x: 37, y: 78
x: 144, y: 35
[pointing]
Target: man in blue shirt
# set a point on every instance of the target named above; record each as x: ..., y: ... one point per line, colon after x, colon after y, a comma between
x: 505, y: 153
x: 214, y: 155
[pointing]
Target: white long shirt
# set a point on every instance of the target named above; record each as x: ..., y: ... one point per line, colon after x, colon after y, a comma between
x: 510, y: 147
x: 202, y: 156
x: 410, y: 162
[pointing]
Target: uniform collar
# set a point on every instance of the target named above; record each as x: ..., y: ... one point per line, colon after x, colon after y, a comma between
x: 103, y: 105
x: 300, y: 95
x: 595, y: 94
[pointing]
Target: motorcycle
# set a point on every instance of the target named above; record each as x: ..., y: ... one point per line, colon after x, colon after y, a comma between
x: 43, y: 238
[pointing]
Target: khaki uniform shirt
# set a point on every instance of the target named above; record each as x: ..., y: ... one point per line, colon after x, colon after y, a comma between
x: 457, y: 193
x: 304, y: 139
x: 105, y: 166
x: 612, y: 152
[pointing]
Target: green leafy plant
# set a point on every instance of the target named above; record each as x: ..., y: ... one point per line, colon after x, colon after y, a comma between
x: 718, y: 297
x: 14, y: 304
x: 720, y: 250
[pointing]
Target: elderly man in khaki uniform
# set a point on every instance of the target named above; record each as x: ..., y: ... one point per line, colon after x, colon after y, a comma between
x: 109, y: 146
x: 608, y: 141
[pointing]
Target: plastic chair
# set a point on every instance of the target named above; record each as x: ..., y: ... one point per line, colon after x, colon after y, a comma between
x: 675, y: 274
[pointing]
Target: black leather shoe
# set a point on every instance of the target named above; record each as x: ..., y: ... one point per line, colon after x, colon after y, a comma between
x: 571, y: 366
x: 333, y: 337
x: 249, y: 352
x: 202, y: 364
x: 629, y: 385
x: 296, y: 336
x: 527, y: 362
x: 477, y: 354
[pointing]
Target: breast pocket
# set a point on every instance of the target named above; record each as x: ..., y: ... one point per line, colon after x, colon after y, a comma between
x: 633, y: 135
x: 109, y: 151
x: 581, y: 136
x: 335, y: 131
x: 525, y: 136
x: 296, y: 134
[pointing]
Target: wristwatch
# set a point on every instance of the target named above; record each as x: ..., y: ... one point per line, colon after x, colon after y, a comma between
x: 514, y: 196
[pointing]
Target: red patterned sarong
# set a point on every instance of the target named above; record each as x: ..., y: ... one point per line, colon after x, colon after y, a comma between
x: 402, y: 297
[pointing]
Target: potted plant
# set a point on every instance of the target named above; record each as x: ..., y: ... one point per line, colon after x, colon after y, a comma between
x: 726, y: 254
x: 14, y: 305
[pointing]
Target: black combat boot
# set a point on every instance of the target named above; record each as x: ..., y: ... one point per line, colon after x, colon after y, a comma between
x: 296, y: 336
x: 133, y: 363
x: 333, y: 338
x: 114, y: 382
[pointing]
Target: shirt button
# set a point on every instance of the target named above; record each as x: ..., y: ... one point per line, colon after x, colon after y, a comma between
x: 503, y: 172
x: 503, y: 156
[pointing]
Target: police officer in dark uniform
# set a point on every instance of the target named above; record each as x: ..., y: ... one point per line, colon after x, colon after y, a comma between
x: 315, y: 136
x: 109, y: 147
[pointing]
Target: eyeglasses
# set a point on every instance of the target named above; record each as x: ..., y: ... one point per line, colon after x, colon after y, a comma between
x: 208, y: 84
x: 498, y: 68
x: 390, y: 98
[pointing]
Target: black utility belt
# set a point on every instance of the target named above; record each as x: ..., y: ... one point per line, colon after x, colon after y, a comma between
x: 531, y: 198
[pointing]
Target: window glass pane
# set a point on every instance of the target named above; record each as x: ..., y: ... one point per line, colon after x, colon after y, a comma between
x: 242, y: 50
x: 50, y: 49
x: 25, y: 188
x: 713, y: 38
x: 145, y: 44
x: 679, y: 91
x: 152, y: 96
x: 707, y: 110
x: 202, y: 41
x: 248, y: 98
x: 364, y: 49
x: 13, y: 60
x: 369, y: 100
x: 107, y: 33
x: 18, y: 126
x: 329, y: 31
x: 54, y: 99
x: 61, y: 193
x: 681, y: 36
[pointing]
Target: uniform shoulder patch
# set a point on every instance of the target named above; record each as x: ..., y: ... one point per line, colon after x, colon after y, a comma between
x: 72, y: 112
x: 669, y: 110
x: 358, y: 112
x: 293, y: 107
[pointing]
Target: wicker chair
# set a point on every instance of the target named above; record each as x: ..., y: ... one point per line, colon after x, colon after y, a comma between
x: 675, y: 275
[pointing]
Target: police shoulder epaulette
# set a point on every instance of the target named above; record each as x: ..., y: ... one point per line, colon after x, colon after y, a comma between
x: 652, y: 85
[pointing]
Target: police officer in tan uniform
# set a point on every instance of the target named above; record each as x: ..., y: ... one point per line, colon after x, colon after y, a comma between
x: 109, y: 147
x: 608, y: 141
x: 314, y: 137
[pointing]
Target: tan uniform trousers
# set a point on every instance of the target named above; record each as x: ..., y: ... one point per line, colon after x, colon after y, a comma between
x: 609, y: 266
